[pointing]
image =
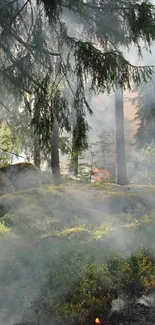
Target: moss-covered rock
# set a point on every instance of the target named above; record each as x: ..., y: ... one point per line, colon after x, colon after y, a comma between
x: 5, y: 185
x: 8, y: 202
x: 51, y: 240
x: 24, y: 175
x: 55, y: 224
x: 9, y: 220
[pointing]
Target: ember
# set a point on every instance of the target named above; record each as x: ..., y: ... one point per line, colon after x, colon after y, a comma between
x: 97, y: 321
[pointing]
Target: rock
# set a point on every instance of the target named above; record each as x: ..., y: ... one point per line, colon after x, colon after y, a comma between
x: 5, y: 185
x: 140, y: 209
x: 24, y: 176
x: 55, y: 224
x: 50, y: 240
x: 8, y: 202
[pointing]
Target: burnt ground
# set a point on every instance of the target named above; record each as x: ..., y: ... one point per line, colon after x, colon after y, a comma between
x: 131, y: 315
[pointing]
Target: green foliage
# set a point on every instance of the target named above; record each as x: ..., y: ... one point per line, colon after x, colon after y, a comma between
x: 65, y: 145
x: 145, y: 116
x: 98, y: 64
x: 67, y: 258
x: 34, y: 70
x: 149, y: 161
x: 6, y: 144
x: 4, y: 230
x: 80, y: 132
x: 95, y: 284
x: 50, y: 105
x: 102, y: 231
x: 138, y: 19
x: 75, y: 233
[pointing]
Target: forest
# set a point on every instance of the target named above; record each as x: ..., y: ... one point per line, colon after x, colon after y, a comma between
x: 77, y: 162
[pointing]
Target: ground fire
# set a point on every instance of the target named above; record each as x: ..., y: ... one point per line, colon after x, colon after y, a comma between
x: 134, y: 313
x: 100, y: 174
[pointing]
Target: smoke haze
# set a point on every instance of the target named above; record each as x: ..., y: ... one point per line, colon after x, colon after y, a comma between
x: 45, y: 230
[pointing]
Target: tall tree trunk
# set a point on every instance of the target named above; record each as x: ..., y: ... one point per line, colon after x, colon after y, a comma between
x: 153, y: 117
x: 26, y: 152
x: 36, y: 151
x: 121, y: 177
x: 55, y: 154
x: 73, y: 168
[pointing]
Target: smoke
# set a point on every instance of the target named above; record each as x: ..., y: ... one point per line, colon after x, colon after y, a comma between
x: 147, y: 300
x: 43, y: 223
x: 118, y: 305
x: 42, y: 243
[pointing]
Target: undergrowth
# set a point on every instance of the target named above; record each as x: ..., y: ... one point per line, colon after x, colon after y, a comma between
x: 72, y: 261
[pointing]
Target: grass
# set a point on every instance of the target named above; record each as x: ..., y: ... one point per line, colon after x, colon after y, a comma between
x: 66, y: 245
x: 75, y: 232
x: 4, y: 230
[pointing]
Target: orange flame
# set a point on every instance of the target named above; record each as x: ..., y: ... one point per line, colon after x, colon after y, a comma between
x: 97, y: 321
x: 100, y: 174
x: 63, y: 166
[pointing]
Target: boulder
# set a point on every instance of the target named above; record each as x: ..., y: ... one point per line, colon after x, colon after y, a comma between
x: 5, y: 185
x: 24, y: 175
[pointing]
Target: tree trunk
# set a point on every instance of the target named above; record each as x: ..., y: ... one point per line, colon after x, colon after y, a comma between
x: 37, y: 150
x: 153, y: 118
x: 55, y: 154
x: 121, y: 177
x: 73, y: 168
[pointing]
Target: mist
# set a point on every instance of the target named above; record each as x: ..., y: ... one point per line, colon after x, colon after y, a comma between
x: 81, y: 250
x: 42, y: 221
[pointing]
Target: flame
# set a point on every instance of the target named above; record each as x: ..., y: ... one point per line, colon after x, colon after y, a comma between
x: 63, y: 166
x: 97, y: 321
x: 100, y: 174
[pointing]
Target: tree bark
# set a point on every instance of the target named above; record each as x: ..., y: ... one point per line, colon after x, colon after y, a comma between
x: 37, y: 158
x: 73, y: 168
x: 55, y: 154
x: 153, y: 118
x: 121, y: 177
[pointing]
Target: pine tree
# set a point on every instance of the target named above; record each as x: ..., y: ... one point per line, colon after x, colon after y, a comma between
x: 79, y: 142
x: 145, y: 115
x: 29, y: 48
x: 104, y: 66
x: 6, y: 144
x: 121, y: 177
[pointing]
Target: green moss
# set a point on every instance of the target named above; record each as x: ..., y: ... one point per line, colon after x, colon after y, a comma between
x: 4, y: 230
x: 105, y: 185
x: 25, y: 175
x: 121, y: 194
x: 55, y: 224
x: 102, y: 231
x: 19, y: 166
x: 9, y: 219
x: 53, y: 241
x: 130, y: 226
x: 7, y: 203
x: 56, y: 189
x: 75, y: 232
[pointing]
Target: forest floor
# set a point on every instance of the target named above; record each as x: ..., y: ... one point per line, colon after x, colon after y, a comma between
x: 75, y: 248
